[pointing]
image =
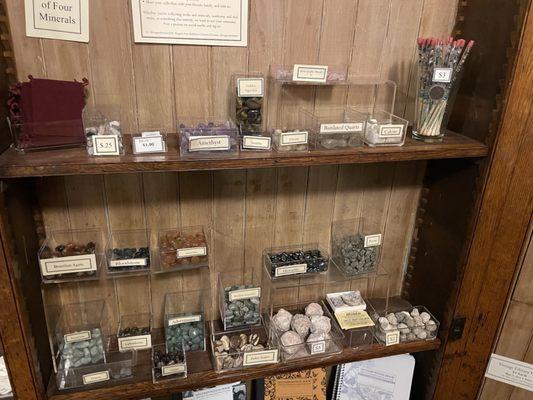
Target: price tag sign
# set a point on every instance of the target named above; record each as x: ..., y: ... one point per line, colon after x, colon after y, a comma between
x: 442, y: 75
x: 106, y: 145
x: 148, y: 144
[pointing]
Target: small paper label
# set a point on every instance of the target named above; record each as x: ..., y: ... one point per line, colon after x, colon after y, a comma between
x: 184, y: 320
x: 68, y: 265
x: 77, y: 336
x: 341, y: 128
x: 442, y: 75
x: 291, y: 270
x: 215, y: 143
x: 510, y: 371
x: 292, y: 138
x: 256, y: 142
x: 392, y: 337
x: 131, y: 262
x: 191, y: 252
x: 310, y: 73
x: 250, y: 87
x: 150, y: 134
x: 318, y: 347
x: 390, y: 131
x: 244, y: 294
x: 373, y: 240
x: 106, y: 145
x: 95, y: 377
x: 353, y: 319
x: 148, y: 144
x: 172, y: 369
x: 134, y: 343
x: 260, y: 357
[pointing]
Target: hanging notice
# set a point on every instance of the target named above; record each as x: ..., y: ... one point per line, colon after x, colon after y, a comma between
x: 198, y: 22
x: 58, y: 19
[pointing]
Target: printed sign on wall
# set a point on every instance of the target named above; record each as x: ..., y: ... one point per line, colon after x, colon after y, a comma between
x: 58, y: 19
x: 200, y: 22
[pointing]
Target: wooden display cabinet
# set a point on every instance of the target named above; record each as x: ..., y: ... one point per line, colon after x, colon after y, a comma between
x: 457, y: 211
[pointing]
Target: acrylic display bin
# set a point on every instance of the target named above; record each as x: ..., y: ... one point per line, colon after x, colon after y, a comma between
x: 207, y: 136
x: 79, y: 337
x: 409, y: 327
x: 164, y: 370
x: 231, y: 354
x: 103, y: 132
x: 134, y: 332
x: 27, y: 136
x: 356, y: 245
x: 239, y: 302
x: 305, y: 74
x: 185, y: 320
x: 298, y: 259
x: 118, y: 367
x: 290, y: 139
x: 128, y: 252
x: 182, y: 248
x: 310, y: 346
x: 333, y: 128
x: 149, y: 142
x: 382, y: 128
x: 71, y: 255
x: 247, y: 101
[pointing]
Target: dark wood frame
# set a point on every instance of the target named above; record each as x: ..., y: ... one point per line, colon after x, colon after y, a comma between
x: 466, y: 246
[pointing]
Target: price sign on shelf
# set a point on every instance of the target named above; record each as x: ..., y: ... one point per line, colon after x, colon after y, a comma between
x: 148, y: 144
x: 106, y: 145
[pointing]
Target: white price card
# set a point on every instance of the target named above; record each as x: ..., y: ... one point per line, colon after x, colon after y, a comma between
x: 310, y: 73
x: 191, y: 252
x: 173, y: 369
x: 291, y: 270
x: 106, y: 145
x: 148, y: 144
x: 139, y: 342
x: 244, y: 294
x: 250, y: 87
x: 184, y: 320
x: 510, y: 371
x: 442, y: 75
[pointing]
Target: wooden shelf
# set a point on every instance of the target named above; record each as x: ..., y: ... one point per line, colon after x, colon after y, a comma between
x: 143, y: 386
x: 76, y: 161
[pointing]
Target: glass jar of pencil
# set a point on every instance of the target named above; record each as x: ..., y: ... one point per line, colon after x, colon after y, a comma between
x: 439, y: 71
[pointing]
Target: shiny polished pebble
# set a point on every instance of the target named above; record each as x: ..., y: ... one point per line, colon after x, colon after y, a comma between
x: 191, y: 334
x: 350, y: 254
x: 85, y: 352
x: 248, y: 113
x: 414, y: 325
x: 162, y: 359
x: 128, y: 254
x: 229, y: 350
x: 170, y: 242
x: 240, y: 312
x: 314, y: 259
x: 67, y: 250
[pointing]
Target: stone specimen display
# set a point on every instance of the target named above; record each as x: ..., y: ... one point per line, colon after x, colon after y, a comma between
x: 418, y: 324
x: 298, y: 145
x: 180, y: 248
x: 134, y: 331
x: 311, y: 328
x: 191, y: 334
x: 82, y: 352
x: 242, y: 312
x: 351, y: 300
x: 140, y: 259
x: 229, y: 350
x: 168, y: 363
x: 349, y: 253
x: 100, y: 126
x: 286, y: 74
x: 67, y: 250
x: 248, y: 114
x: 217, y: 137
x: 314, y: 259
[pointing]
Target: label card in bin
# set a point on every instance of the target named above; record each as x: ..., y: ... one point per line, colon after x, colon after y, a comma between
x: 260, y: 357
x: 191, y: 252
x: 173, y: 369
x: 140, y: 342
x: 291, y: 270
x: 244, y: 294
x: 68, y: 265
x: 184, y: 320
x: 95, y: 377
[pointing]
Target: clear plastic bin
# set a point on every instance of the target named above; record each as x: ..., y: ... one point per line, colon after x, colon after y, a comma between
x: 103, y: 132
x: 248, y: 92
x: 168, y: 364
x: 118, y: 367
x: 207, y: 136
x: 185, y: 321
x: 334, y: 128
x: 71, y: 255
x: 128, y: 251
x: 241, y: 348
x: 295, y: 259
x: 356, y: 245
x: 239, y: 303
x: 135, y: 332
x: 255, y: 141
x: 382, y: 128
x: 182, y: 248
x: 306, y: 74
x: 302, y: 336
